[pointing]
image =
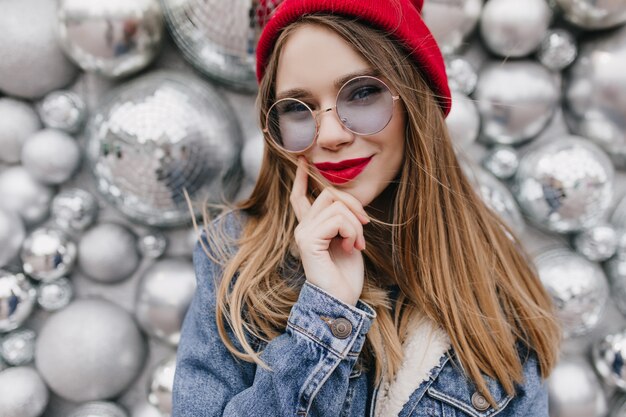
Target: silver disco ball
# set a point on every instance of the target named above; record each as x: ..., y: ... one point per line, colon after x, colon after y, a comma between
x: 608, y: 358
x: 17, y: 298
x: 159, y: 135
x: 594, y: 14
x: 161, y: 384
x: 63, y: 110
x: 516, y: 100
x: 558, y: 49
x: 451, y: 21
x: 496, y: 196
x: 565, y: 185
x: 578, y: 288
x: 463, y: 122
x: 218, y: 37
x: 99, y: 409
x: 113, y: 38
x: 595, y: 94
x: 48, y: 254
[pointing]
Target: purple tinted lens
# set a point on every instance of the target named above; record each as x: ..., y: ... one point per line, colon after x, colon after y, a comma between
x: 365, y: 105
x: 291, y: 125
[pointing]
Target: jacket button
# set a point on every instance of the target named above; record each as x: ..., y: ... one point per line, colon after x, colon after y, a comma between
x: 479, y: 402
x: 341, y: 328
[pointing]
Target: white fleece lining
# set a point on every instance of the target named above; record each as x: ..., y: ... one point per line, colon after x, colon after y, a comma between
x: 422, y: 349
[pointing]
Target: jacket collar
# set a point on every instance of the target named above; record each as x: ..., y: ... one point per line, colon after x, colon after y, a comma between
x: 424, y: 354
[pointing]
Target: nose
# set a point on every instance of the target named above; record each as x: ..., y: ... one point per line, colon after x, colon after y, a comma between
x: 331, y: 132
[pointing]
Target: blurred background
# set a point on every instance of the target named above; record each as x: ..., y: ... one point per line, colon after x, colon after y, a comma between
x: 109, y: 109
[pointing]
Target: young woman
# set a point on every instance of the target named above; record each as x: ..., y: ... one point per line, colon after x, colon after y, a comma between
x: 364, y: 276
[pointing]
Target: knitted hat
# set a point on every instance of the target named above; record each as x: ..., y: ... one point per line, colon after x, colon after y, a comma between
x: 401, y: 18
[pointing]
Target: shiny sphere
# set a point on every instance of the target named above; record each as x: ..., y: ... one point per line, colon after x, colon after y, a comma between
x: 32, y: 62
x: 54, y: 295
x: 107, y: 253
x: 22, y: 393
x: 161, y: 384
x: 515, y: 100
x: 574, y: 390
x: 114, y: 38
x: 461, y: 75
x: 608, y: 358
x: 451, y: 22
x: 222, y: 43
x: 252, y: 157
x: 18, y: 121
x: 63, y: 110
x: 152, y: 244
x: 496, y: 196
x: 578, y: 288
x: 51, y: 156
x: 502, y: 161
x: 463, y: 121
x: 558, y: 49
x: 161, y: 134
x: 21, y: 193
x: 594, y: 14
x: 163, y: 297
x: 74, y: 209
x: 99, y: 409
x: 12, y: 235
x: 595, y: 88
x: 17, y: 298
x: 18, y: 347
x: 597, y: 243
x: 512, y: 28
x: 48, y: 254
x: 92, y: 349
x: 565, y: 185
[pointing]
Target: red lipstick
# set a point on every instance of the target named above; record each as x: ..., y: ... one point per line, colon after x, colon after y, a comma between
x: 343, y: 171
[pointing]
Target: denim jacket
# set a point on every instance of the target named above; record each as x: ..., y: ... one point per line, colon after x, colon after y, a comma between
x: 313, y: 366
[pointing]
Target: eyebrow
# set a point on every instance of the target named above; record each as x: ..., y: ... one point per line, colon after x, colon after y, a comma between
x: 338, y: 83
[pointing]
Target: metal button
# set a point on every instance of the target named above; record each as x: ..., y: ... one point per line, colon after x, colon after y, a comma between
x: 479, y: 402
x: 341, y: 328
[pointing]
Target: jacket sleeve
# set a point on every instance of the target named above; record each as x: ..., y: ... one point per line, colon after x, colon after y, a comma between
x: 311, y: 361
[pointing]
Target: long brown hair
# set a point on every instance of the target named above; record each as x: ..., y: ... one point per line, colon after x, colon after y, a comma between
x: 453, y: 258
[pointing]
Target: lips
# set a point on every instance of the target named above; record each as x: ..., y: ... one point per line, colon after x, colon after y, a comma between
x: 343, y: 171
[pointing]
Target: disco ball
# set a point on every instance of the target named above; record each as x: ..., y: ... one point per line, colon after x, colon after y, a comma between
x: 463, y: 122
x: 18, y: 121
x: 161, y: 384
x: 48, y: 254
x: 595, y: 94
x: 17, y: 298
x: 159, y: 135
x: 594, y: 14
x: 578, y: 288
x: 99, y: 409
x: 218, y: 37
x: 516, y: 100
x: 63, y: 110
x: 558, y: 49
x: 565, y: 185
x: 113, y: 38
x: 609, y: 355
x: 495, y: 195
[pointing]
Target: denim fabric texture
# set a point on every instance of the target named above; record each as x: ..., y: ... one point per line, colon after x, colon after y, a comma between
x: 314, y: 371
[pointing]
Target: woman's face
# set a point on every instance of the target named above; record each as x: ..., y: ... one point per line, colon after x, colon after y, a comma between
x: 312, y: 58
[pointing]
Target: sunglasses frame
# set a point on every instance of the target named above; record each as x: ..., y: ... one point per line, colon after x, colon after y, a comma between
x: 317, y: 113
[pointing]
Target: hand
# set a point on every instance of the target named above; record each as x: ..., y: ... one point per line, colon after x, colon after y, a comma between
x: 330, y: 238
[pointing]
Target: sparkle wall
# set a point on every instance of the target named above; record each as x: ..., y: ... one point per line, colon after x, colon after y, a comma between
x: 110, y: 109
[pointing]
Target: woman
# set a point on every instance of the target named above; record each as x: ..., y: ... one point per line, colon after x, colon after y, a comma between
x: 364, y: 276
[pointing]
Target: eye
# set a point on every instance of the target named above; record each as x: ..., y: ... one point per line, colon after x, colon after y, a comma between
x: 292, y: 106
x: 365, y: 92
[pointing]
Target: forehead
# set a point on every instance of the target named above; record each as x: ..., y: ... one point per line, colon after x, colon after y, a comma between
x: 313, y: 57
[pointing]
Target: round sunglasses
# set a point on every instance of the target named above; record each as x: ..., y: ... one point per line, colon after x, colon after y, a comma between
x: 364, y: 105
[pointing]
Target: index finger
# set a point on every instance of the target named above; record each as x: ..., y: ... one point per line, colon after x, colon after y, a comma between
x: 299, y: 200
x: 352, y: 202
